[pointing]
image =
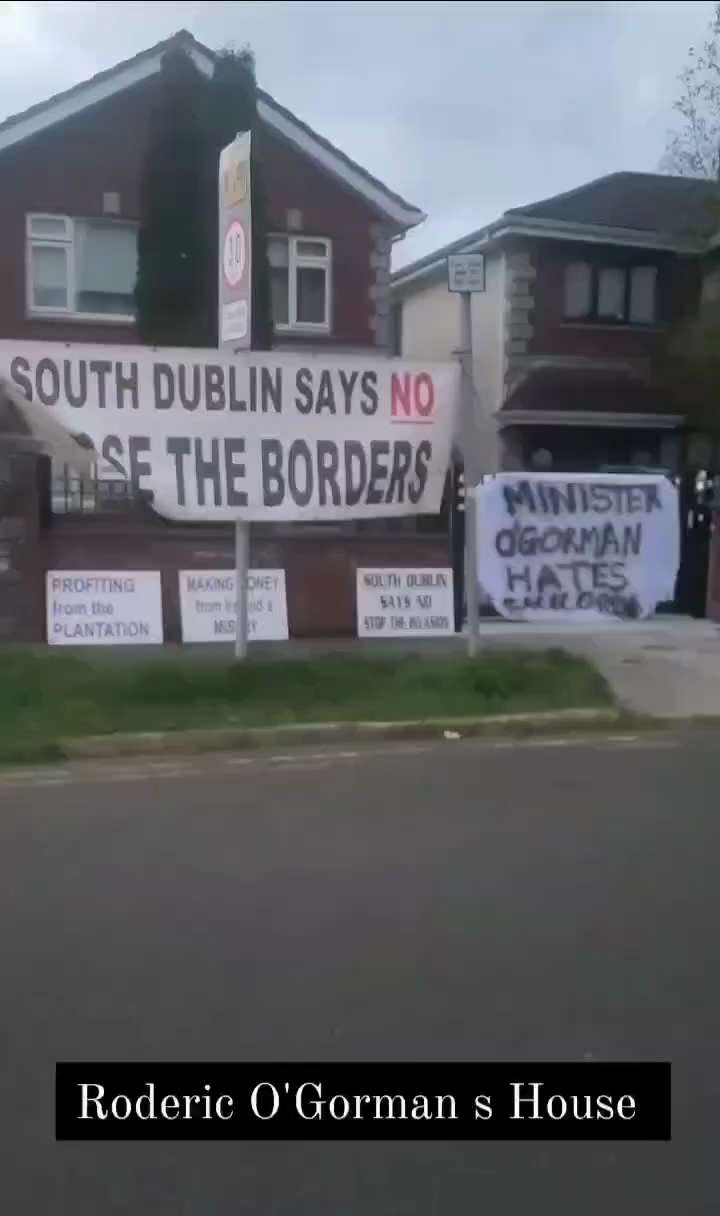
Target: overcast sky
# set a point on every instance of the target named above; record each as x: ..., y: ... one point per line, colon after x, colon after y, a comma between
x: 464, y: 108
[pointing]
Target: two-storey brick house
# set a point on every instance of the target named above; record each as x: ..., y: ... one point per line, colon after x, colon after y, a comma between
x: 581, y: 290
x: 70, y: 188
x: 71, y: 168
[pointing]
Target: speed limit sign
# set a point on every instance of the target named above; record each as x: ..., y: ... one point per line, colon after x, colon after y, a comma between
x: 234, y: 253
x: 234, y: 263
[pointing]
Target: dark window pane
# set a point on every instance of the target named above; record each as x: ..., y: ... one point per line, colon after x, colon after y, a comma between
x: 114, y: 303
x: 311, y: 282
x: 279, y: 294
x: 611, y: 293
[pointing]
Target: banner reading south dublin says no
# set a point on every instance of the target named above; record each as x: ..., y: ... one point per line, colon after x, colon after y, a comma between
x: 255, y: 437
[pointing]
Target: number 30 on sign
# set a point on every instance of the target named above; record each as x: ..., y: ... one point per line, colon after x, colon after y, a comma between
x: 234, y: 253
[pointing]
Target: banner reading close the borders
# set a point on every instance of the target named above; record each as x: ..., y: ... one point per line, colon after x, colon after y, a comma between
x: 577, y: 546
x: 255, y: 437
x: 235, y: 246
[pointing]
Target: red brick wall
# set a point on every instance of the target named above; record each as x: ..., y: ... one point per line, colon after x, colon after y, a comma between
x: 68, y: 168
x: 293, y: 181
x: 713, y: 588
x: 319, y: 570
x: 678, y: 293
x: 23, y: 491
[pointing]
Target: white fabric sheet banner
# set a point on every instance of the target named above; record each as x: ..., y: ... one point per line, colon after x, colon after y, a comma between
x: 208, y: 609
x: 254, y: 436
x: 577, y: 546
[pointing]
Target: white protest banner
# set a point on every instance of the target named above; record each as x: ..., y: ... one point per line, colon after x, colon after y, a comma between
x: 103, y: 607
x: 255, y: 437
x: 405, y: 603
x: 208, y: 605
x: 577, y: 546
x: 235, y: 246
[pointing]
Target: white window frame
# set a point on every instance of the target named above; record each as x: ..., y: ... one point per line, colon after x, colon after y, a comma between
x: 66, y: 241
x: 297, y: 262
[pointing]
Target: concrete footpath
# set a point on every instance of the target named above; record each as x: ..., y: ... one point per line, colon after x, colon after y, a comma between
x: 668, y: 667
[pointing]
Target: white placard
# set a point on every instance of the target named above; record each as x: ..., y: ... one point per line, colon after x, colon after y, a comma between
x: 466, y: 272
x: 402, y: 603
x: 577, y: 546
x: 104, y: 607
x: 207, y: 605
x: 259, y: 436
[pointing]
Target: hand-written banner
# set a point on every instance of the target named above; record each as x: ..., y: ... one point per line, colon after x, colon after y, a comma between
x: 257, y: 436
x: 577, y: 546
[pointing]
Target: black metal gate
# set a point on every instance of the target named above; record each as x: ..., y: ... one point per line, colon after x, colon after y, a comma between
x: 696, y: 496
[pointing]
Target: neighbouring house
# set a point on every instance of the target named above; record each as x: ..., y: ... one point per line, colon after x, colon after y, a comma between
x: 581, y: 290
x: 70, y: 186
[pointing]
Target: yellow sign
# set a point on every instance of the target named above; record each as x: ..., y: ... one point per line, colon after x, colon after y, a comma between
x: 235, y: 183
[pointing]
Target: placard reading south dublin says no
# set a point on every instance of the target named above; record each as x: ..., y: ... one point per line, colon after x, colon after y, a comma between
x: 410, y: 603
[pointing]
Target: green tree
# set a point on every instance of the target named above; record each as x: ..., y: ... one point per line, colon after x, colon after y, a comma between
x: 233, y: 108
x: 173, y: 243
x: 694, y: 149
x: 176, y: 292
x: 689, y: 370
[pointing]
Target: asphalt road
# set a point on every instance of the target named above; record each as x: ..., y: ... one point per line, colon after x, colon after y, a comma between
x: 450, y: 902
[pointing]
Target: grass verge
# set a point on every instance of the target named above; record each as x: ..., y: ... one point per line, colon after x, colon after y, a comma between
x: 45, y: 698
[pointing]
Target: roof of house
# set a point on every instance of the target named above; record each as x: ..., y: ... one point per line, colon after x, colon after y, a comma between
x: 646, y: 209
x: 590, y: 390
x: 649, y: 202
x: 129, y: 72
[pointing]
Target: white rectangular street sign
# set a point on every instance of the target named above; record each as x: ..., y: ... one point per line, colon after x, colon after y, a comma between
x: 404, y: 603
x: 104, y: 607
x: 466, y: 272
x: 208, y: 605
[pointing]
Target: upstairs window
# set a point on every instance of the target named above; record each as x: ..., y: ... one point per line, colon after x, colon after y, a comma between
x: 578, y: 290
x: 300, y: 282
x: 620, y: 295
x: 81, y: 268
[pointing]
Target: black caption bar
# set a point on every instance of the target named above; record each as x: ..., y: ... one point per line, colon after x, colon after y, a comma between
x: 475, y: 1101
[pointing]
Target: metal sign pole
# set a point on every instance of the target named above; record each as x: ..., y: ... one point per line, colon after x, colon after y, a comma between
x: 242, y: 562
x: 470, y: 465
x: 466, y: 275
x: 235, y: 315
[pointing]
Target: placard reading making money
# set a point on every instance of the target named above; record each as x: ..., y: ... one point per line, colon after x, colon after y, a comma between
x: 103, y: 607
x: 254, y: 436
x: 208, y: 605
x: 405, y: 603
x: 577, y: 546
